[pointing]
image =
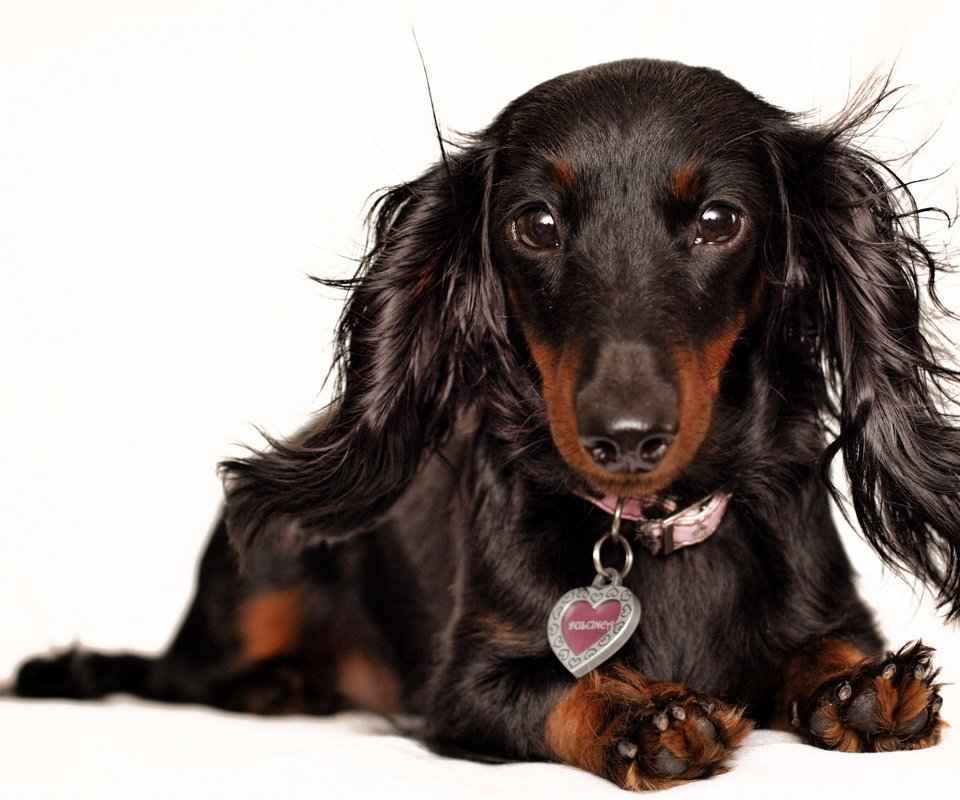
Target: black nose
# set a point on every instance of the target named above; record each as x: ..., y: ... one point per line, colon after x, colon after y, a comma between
x: 626, y: 408
x: 626, y: 444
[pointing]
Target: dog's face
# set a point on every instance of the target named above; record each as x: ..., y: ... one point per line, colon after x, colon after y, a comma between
x: 630, y: 203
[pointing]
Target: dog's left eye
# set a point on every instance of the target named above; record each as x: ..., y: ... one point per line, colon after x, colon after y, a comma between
x: 718, y: 224
x: 536, y: 228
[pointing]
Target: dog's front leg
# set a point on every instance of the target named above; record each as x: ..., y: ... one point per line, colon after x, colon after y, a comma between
x: 614, y: 722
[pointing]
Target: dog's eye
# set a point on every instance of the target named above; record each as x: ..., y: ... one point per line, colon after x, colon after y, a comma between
x: 535, y: 228
x: 718, y: 224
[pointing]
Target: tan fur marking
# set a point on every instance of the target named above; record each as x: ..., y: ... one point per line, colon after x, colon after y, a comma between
x: 698, y: 383
x: 887, y: 698
x: 698, y: 372
x: 573, y: 732
x: 562, y: 176
x: 686, y: 183
x: 559, y: 372
x: 843, y: 739
x: 368, y: 684
x: 511, y: 296
x: 270, y: 624
x: 825, y: 659
x: 915, y: 697
x: 836, y: 734
x: 495, y: 628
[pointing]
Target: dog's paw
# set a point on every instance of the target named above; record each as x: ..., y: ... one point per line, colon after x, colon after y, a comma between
x: 676, y: 736
x: 61, y: 675
x: 887, y: 704
x: 81, y: 675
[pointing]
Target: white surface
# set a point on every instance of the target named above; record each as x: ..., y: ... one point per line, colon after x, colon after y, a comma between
x: 129, y: 750
x: 169, y: 172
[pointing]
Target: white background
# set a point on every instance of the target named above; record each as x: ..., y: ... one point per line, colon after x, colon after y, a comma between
x: 171, y: 171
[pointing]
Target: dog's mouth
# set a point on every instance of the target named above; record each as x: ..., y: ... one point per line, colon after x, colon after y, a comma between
x: 624, y: 451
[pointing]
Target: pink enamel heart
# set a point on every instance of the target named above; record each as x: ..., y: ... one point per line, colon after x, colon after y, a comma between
x: 589, y: 624
x: 583, y: 625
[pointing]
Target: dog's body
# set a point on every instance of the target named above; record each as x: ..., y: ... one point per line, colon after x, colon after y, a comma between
x: 640, y: 281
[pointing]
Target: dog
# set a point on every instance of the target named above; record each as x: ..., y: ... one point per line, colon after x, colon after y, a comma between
x: 571, y: 501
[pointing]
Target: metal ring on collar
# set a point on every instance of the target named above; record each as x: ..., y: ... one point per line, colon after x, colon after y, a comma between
x: 610, y: 572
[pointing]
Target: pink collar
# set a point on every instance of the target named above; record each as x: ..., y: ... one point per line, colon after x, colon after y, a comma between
x: 667, y: 529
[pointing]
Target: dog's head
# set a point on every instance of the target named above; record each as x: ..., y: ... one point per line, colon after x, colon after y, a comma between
x: 628, y: 206
x: 639, y: 273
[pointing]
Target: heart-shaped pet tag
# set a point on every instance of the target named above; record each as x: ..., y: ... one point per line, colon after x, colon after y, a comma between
x: 589, y: 624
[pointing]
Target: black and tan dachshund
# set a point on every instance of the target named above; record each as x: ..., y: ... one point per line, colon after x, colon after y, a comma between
x: 572, y: 500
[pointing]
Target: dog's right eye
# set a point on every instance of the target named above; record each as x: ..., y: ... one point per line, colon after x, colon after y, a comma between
x: 536, y: 229
x: 718, y: 224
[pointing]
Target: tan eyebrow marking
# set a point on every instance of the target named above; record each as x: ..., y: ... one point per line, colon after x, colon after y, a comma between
x: 686, y: 183
x: 562, y: 173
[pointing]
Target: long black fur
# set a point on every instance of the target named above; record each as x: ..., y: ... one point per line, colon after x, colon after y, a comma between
x: 848, y: 269
x: 431, y: 498
x: 857, y: 269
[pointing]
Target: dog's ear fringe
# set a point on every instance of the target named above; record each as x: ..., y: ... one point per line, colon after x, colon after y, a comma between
x: 856, y: 274
x: 420, y: 329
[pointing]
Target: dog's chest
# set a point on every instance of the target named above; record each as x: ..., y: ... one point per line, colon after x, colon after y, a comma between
x: 690, y: 629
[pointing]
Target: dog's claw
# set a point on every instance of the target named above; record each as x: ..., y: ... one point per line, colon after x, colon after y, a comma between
x: 794, y: 714
x: 661, y: 722
x: 627, y: 749
x: 678, y: 712
x: 843, y: 691
x: 888, y: 672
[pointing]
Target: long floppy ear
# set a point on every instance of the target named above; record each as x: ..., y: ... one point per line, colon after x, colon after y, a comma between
x: 422, y: 325
x: 855, y: 269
